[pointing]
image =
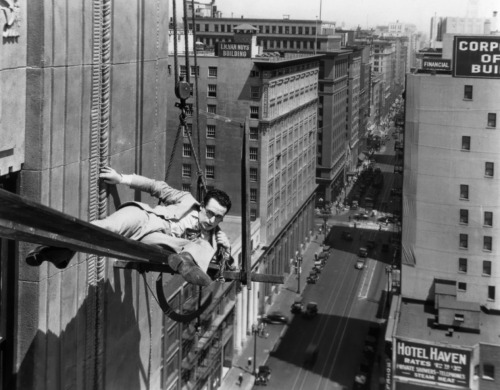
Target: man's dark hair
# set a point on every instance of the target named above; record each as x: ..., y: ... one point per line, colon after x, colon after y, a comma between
x: 220, y: 196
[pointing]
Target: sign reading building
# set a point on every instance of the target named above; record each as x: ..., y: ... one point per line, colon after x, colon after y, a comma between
x: 476, y: 56
x: 235, y: 50
x: 436, y: 64
x: 432, y: 363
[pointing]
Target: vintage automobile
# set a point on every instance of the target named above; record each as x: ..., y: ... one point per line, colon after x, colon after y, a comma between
x: 363, y: 252
x: 311, y: 355
x: 275, y: 317
x: 311, y: 310
x: 312, y: 278
x: 360, y: 263
x: 263, y: 376
x: 297, y: 307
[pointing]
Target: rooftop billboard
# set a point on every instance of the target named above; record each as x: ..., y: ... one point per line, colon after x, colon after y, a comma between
x: 477, y: 56
x: 432, y: 363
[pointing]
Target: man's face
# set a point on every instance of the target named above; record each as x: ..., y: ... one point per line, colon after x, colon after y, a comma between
x: 211, y: 214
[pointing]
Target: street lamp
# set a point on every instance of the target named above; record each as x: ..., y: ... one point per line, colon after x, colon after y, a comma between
x: 255, y: 332
x: 299, y: 265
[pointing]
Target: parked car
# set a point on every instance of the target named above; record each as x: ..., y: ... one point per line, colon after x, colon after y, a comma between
x: 275, y: 317
x: 354, y: 205
x: 363, y: 252
x: 297, y: 307
x: 317, y: 268
x: 312, y: 279
x: 346, y: 236
x: 361, y: 217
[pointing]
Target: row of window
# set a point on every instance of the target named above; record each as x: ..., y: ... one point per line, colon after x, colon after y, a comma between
x: 195, y: 71
x: 212, y: 109
x: 263, y: 29
x: 487, y: 217
x: 463, y: 266
x: 187, y: 171
x: 462, y: 286
x: 464, y: 242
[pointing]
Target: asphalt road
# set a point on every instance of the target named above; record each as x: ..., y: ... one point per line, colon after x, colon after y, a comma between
x: 350, y: 302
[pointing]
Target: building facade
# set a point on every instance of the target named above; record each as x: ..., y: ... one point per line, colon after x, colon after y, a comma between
x: 443, y: 329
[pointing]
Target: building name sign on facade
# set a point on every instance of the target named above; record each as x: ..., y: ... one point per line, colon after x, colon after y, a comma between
x: 432, y: 363
x: 436, y: 64
x: 237, y: 50
x: 476, y: 56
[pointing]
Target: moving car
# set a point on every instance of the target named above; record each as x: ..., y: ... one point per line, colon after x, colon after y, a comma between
x: 263, y: 375
x: 311, y: 355
x: 361, y: 217
x: 275, y: 317
x: 363, y: 252
x: 297, y: 307
x: 346, y: 236
x: 360, y: 264
x: 311, y: 310
x: 371, y: 244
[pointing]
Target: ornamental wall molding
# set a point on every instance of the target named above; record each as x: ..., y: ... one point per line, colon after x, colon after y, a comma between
x: 10, y: 18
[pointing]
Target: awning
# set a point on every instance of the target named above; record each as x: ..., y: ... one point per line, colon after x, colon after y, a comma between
x: 361, y: 157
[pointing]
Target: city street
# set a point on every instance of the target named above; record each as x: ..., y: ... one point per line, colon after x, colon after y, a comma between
x: 350, y: 301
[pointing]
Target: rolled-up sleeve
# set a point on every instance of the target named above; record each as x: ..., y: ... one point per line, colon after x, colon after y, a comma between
x: 159, y: 189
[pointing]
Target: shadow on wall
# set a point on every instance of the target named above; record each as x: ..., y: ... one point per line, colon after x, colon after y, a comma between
x: 67, y: 360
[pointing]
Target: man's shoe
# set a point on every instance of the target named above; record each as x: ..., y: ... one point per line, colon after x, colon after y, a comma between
x: 60, y: 257
x: 184, y: 264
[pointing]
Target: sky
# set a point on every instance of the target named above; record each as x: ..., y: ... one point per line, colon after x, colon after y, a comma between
x: 351, y: 13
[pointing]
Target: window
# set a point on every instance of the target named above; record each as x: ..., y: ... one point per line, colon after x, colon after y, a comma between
x: 464, y: 191
x: 182, y: 70
x: 207, y: 27
x: 212, y: 71
x: 468, y: 92
x: 210, y: 172
x: 489, y: 371
x: 253, y: 195
x: 212, y: 108
x: 189, y: 109
x: 254, y: 112
x: 255, y: 93
x: 464, y: 216
x: 253, y: 214
x: 188, y: 129
x: 462, y: 286
x: 253, y: 174
x: 465, y: 142
x: 491, y: 293
x: 186, y: 150
x: 212, y: 90
x: 492, y: 119
x: 210, y: 151
x: 462, y: 265
x: 459, y: 317
x: 254, y: 133
x: 186, y: 187
x: 488, y: 169
x: 488, y: 218
x: 253, y: 154
x: 487, y: 267
x: 487, y: 243
x: 464, y: 241
x: 210, y: 131
x: 195, y: 71
x: 186, y: 170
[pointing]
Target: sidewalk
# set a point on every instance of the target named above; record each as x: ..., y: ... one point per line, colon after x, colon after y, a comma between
x: 265, y: 345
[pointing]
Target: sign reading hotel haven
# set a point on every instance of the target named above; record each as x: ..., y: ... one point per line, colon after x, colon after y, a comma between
x: 476, y: 56
x: 230, y: 49
x: 432, y: 363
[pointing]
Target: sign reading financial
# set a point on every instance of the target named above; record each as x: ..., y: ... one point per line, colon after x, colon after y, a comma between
x: 436, y: 64
x: 432, y: 363
x: 229, y: 49
x: 476, y: 56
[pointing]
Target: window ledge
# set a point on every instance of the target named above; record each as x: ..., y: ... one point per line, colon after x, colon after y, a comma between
x: 486, y: 275
x: 488, y: 176
x: 465, y: 150
x: 491, y: 127
x: 466, y: 199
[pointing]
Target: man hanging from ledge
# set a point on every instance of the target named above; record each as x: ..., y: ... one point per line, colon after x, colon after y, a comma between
x: 179, y: 224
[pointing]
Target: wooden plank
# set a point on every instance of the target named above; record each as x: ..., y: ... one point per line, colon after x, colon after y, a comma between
x: 42, y: 225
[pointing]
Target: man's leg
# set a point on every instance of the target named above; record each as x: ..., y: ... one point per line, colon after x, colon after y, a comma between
x: 190, y: 258
x: 129, y: 221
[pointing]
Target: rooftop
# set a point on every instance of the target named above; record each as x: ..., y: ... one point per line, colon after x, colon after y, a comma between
x: 416, y: 319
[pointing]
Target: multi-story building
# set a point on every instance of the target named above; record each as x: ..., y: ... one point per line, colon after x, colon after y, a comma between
x: 278, y: 99
x: 444, y: 327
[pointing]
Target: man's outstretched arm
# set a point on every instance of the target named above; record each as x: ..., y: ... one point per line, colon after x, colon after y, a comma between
x: 158, y: 189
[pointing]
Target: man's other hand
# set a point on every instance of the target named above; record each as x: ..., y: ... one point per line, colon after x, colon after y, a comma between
x: 110, y: 176
x: 223, y: 240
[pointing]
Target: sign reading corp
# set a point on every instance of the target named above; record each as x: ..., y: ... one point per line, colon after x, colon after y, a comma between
x: 476, y: 56
x: 432, y: 363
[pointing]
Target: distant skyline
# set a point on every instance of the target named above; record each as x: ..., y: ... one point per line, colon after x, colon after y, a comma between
x: 351, y: 13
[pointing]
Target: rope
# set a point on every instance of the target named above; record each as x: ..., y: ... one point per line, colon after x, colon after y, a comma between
x: 186, y: 39
x: 174, y: 21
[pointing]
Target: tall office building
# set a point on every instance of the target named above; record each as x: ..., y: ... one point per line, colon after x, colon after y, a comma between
x: 444, y: 327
